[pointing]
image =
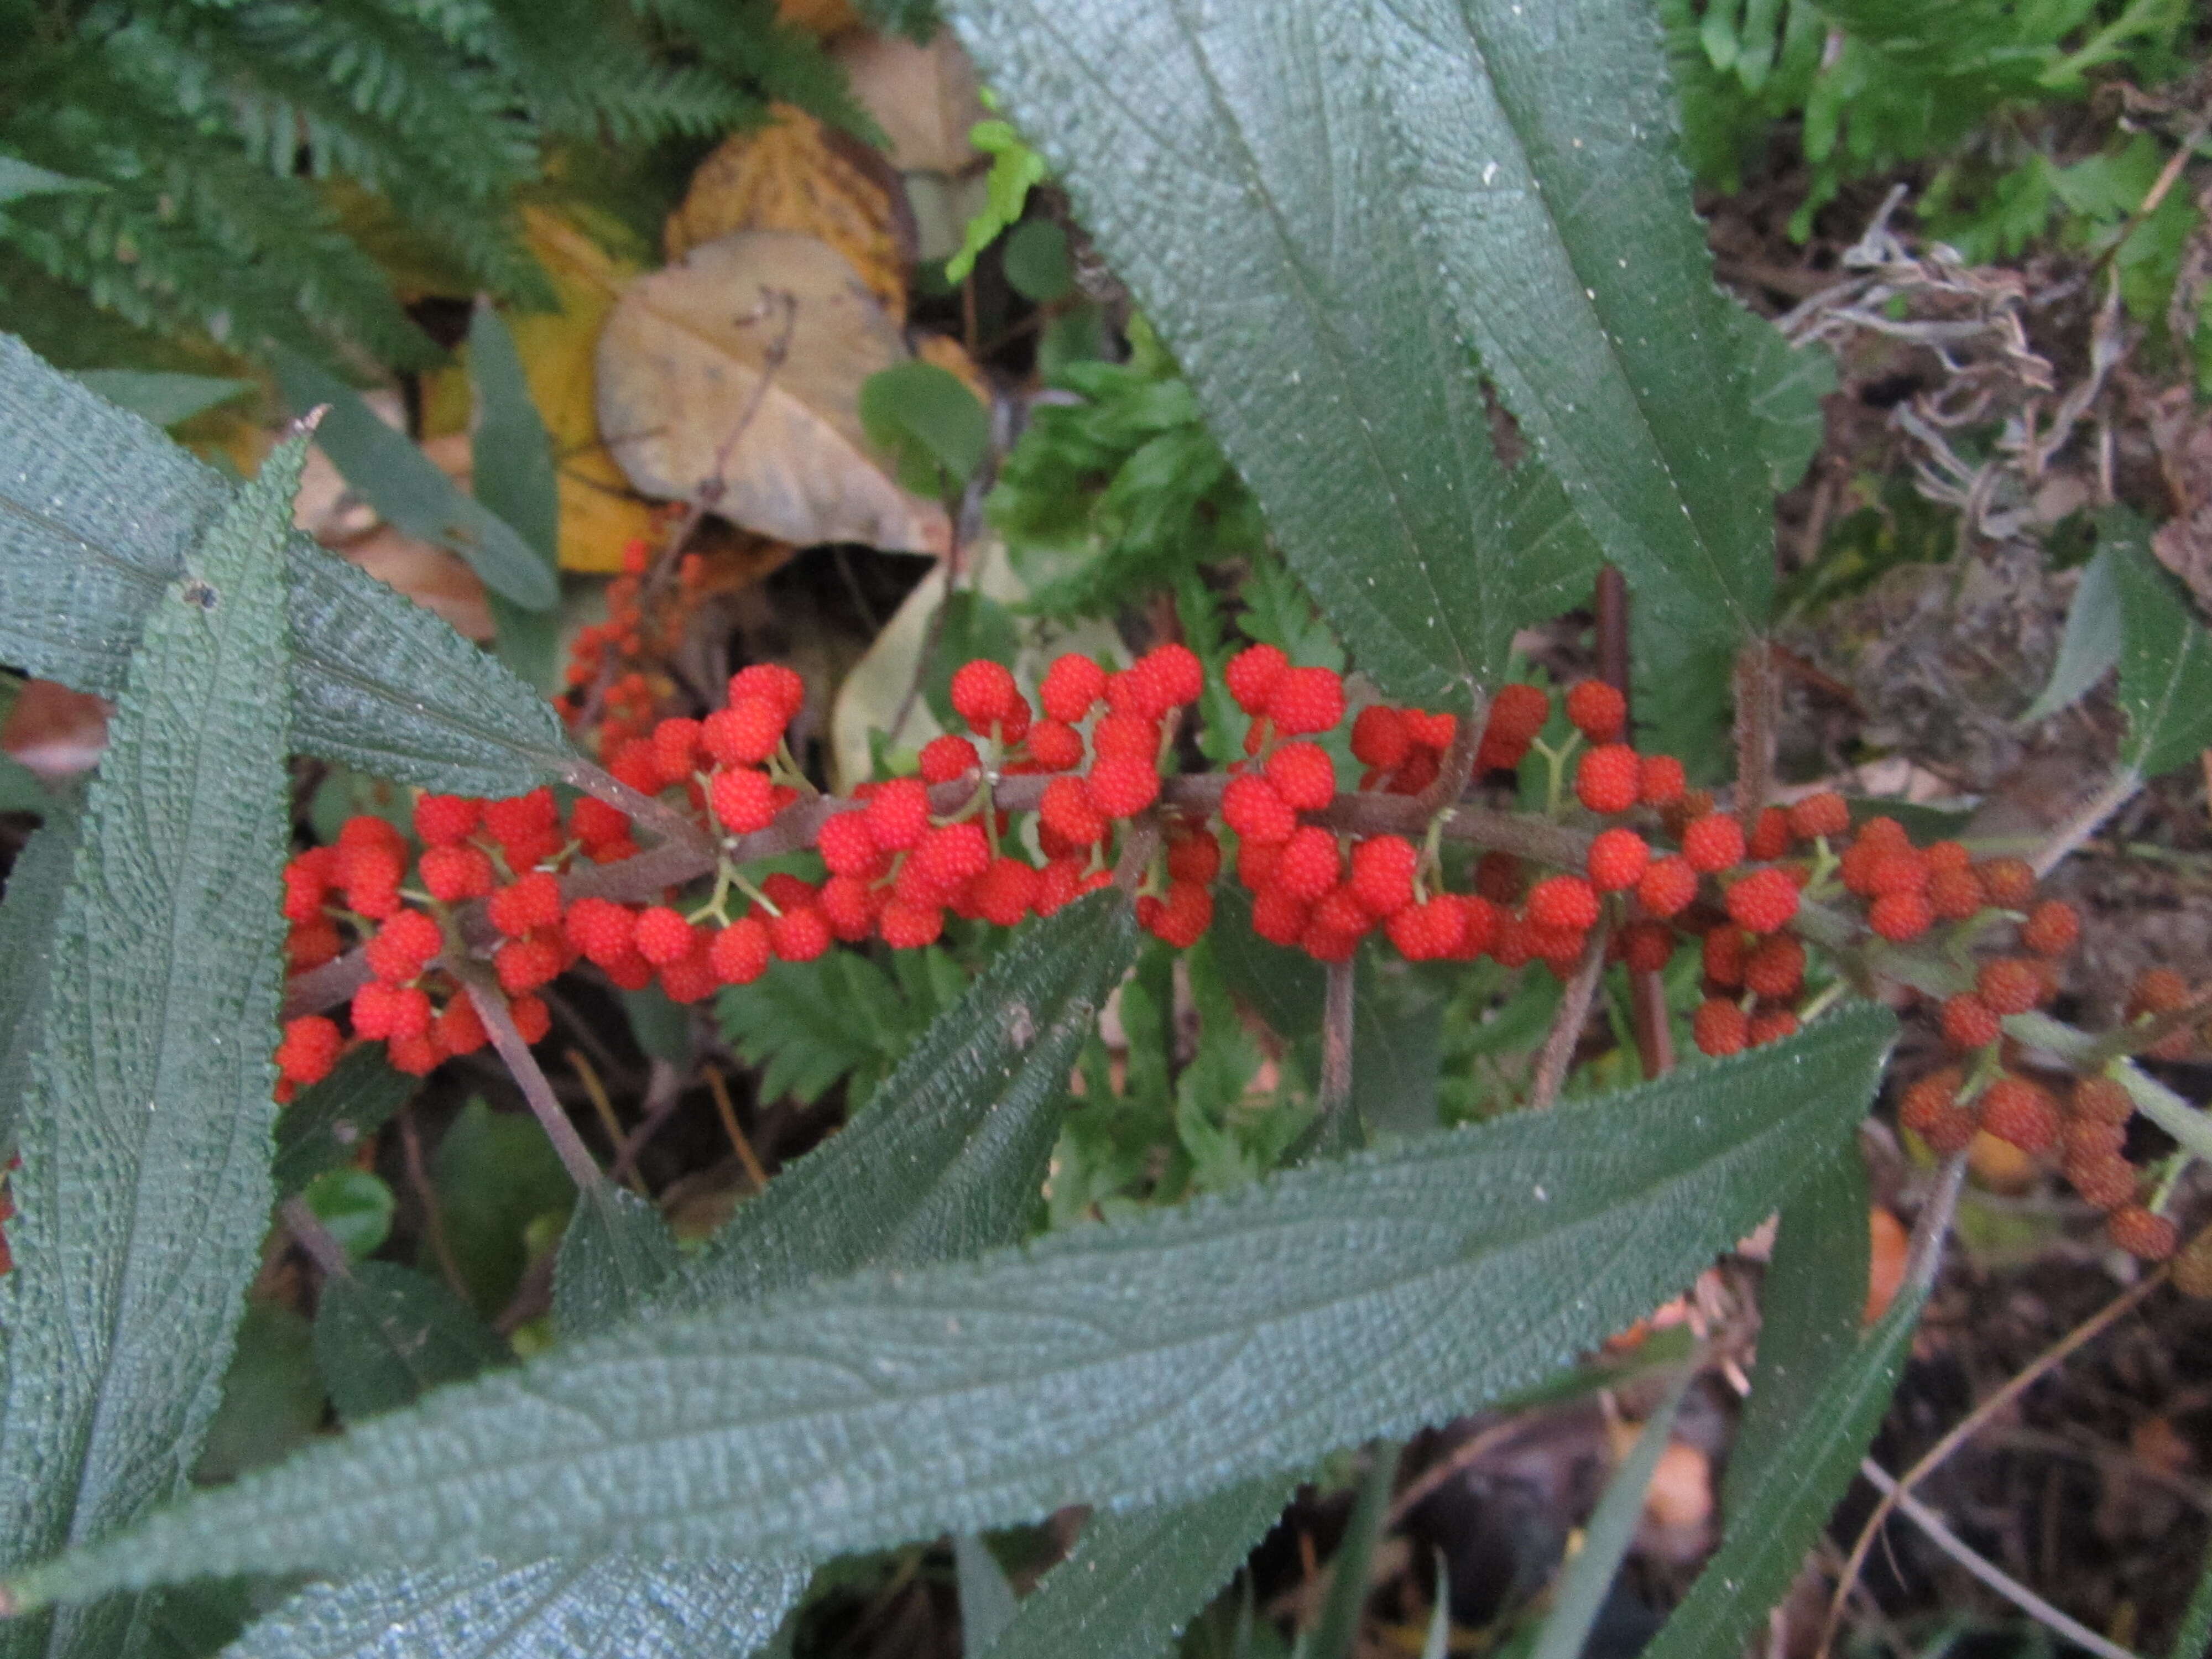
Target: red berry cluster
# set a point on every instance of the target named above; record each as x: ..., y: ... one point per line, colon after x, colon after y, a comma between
x: 502, y: 852
x: 606, y: 675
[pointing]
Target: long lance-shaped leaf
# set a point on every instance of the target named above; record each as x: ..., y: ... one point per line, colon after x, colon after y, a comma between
x: 1544, y: 170
x: 1256, y: 197
x: 35, y: 886
x: 1135, y: 1580
x: 1817, y: 1396
x: 144, y: 1187
x: 1122, y: 1365
x: 97, y: 510
x: 944, y: 1161
x: 2166, y: 656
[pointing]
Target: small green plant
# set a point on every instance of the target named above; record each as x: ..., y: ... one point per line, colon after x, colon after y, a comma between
x: 1347, y: 805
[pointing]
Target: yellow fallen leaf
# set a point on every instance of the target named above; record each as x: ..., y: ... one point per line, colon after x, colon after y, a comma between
x: 947, y: 354
x: 792, y: 175
x: 599, y: 510
x: 822, y: 18
x: 924, y: 98
x: 744, y: 362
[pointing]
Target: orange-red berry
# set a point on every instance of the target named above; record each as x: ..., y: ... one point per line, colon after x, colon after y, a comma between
x: 1900, y: 916
x: 1824, y: 814
x: 309, y: 1048
x: 1566, y: 902
x: 1599, y: 712
x: 1303, y: 775
x: 1607, y: 779
x: 1776, y: 967
x: 1666, y: 886
x: 1382, y: 874
x: 1713, y: 843
x: 1617, y: 860
x: 2142, y: 1234
x: 1660, y: 781
x: 2016, y: 1110
x: 1719, y: 1027
x: 1969, y: 1022
x: 1071, y: 686
x: 1763, y: 901
x: 2050, y: 928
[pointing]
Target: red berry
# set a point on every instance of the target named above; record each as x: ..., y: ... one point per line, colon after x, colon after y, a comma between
x: 1897, y: 872
x: 1517, y: 714
x: 1955, y: 895
x: 1121, y: 785
x: 1382, y: 874
x: 2102, y: 1099
x: 848, y: 905
x: 849, y: 847
x: 1647, y: 946
x: 947, y: 859
x: 1608, y: 779
x: 1304, y: 701
x: 773, y: 682
x: 1776, y: 968
x: 417, y: 1056
x: 1482, y: 920
x: 1770, y: 1025
x: 1251, y: 675
x: 2016, y: 1110
x: 307, y: 878
x: 524, y: 964
x: 531, y: 900
x: 1566, y: 902
x: 1066, y: 810
x: 1126, y: 737
x: 1763, y: 901
x: 1713, y: 843
x: 1666, y: 886
x: 1617, y: 859
x: 310, y: 945
x: 743, y: 734
x: 1251, y: 807
x: 2106, y: 1180
x: 2009, y: 985
x: 1280, y: 917
x: 371, y: 880
x: 2010, y: 883
x: 403, y: 946
x: 898, y: 814
x: 1004, y: 892
x: 800, y: 934
x: 458, y: 1029
x: 603, y: 930
x: 441, y: 820
x: 1071, y: 685
x: 533, y: 1018
x: 906, y: 927
x: 1194, y: 856
x: 2050, y: 928
x: 743, y: 799
x: 690, y: 978
x: 662, y: 936
x: 1599, y: 712
x: 984, y: 693
x: 947, y: 757
x: 1724, y: 954
x: 1900, y: 916
x: 1257, y: 862
x: 1824, y: 814
x: 1429, y: 930
x: 1169, y: 676
x: 1303, y: 775
x: 1307, y: 867
x: 1380, y: 738
x: 309, y: 1048
x: 1660, y: 781
x: 1719, y: 1027
x: 2147, y: 1237
x: 1055, y: 745
x: 676, y: 749
x: 452, y: 874
x: 1770, y: 834
x: 1180, y: 918
x: 1969, y: 1022
x: 633, y: 763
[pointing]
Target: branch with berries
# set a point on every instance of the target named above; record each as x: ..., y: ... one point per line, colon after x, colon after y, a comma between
x: 1032, y: 805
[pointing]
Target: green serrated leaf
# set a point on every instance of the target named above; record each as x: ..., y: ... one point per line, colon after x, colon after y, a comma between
x: 1817, y: 1396
x: 1337, y: 369
x: 936, y: 1167
x: 405, y: 486
x: 385, y: 1335
x: 327, y: 1122
x: 145, y: 1189
x: 166, y: 399
x: 511, y: 472
x: 614, y: 1607
x: 1786, y: 384
x: 1036, y: 261
x: 97, y: 511
x: 1123, y: 1366
x: 2091, y: 643
x: 973, y: 1102
x: 1133, y: 1581
x: 35, y: 885
x: 615, y: 1253
x: 2166, y: 654
x: 1581, y: 1593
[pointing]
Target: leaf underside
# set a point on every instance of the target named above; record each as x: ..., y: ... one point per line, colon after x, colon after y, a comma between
x: 144, y: 1187
x: 97, y: 509
x: 1151, y: 1362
